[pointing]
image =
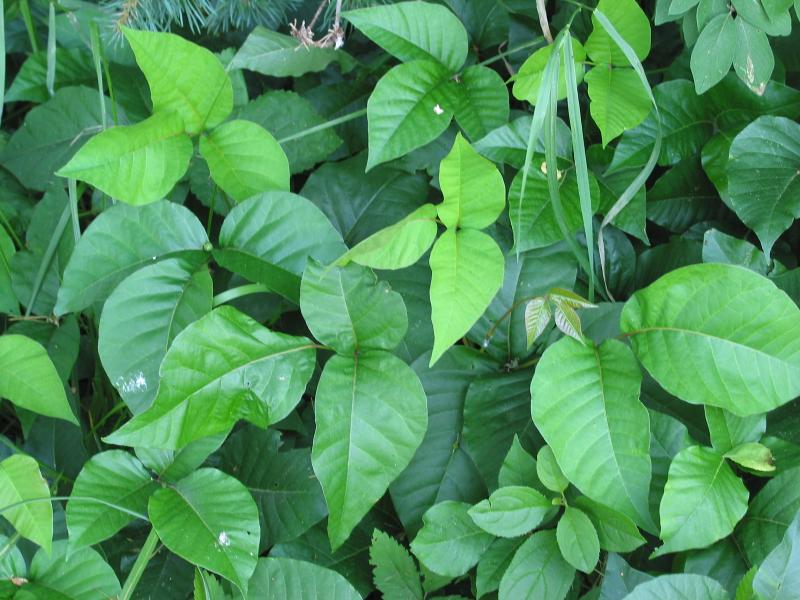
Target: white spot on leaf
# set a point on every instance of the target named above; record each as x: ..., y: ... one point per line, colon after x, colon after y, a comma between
x: 438, y: 110
x: 223, y: 539
x: 135, y: 383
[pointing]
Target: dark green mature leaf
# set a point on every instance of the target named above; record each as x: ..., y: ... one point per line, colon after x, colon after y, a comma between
x: 753, y: 60
x: 493, y: 564
x: 577, y: 539
x: 371, y: 417
x: 537, y: 571
x: 114, y: 477
x: 221, y: 368
x: 8, y: 301
x: 120, y: 241
x: 450, y: 543
x: 279, y: 578
x: 29, y: 379
x: 585, y: 402
x: 680, y: 585
x: 778, y: 577
x: 172, y: 466
x: 518, y: 468
x: 511, y: 511
x: 484, y: 101
x: 349, y: 309
x: 73, y: 68
x: 414, y: 30
x: 394, y: 571
x: 12, y: 564
x: 722, y: 248
x: 713, y: 53
x: 703, y: 500
x: 727, y: 355
x: 20, y: 481
x: 155, y: 303
x: 619, y: 578
x: 615, y: 531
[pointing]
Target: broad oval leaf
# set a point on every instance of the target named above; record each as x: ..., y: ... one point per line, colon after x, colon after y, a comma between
x: 529, y: 78
x: 112, y: 477
x: 631, y: 23
x: 742, y: 355
x: 140, y: 320
x: 467, y: 267
x: 137, y: 164
x: 371, y: 415
x: 120, y: 241
x: 511, y: 511
x: 414, y: 30
x: 209, y: 519
x: 548, y: 471
x: 450, y: 543
x: 484, y: 104
x: 702, y: 503
x: 679, y: 585
x: 221, y: 368
x: 29, y: 379
x: 585, y: 402
x: 244, y: 159
x: 20, y: 482
x: 81, y: 575
x: 268, y: 239
x: 577, y: 539
x: 279, y: 578
x: 615, y: 531
x: 618, y: 100
x: 184, y: 78
x: 537, y: 571
x: 493, y: 564
x: 713, y: 52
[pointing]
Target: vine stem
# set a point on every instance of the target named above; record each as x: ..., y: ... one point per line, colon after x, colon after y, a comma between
x: 127, y: 511
x: 239, y: 292
x: 326, y: 125
x: 147, y: 552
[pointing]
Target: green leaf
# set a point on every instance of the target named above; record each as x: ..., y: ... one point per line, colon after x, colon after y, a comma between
x: 529, y: 78
x: 371, y: 416
x: 8, y: 301
x: 473, y: 189
x: 278, y: 578
x: 114, y: 477
x: 679, y: 585
x: 577, y: 540
x: 727, y: 355
x: 511, y: 511
x: 723, y: 248
x: 778, y: 577
x: 619, y: 579
x: 484, y: 104
x: 349, y: 309
x: 537, y: 571
x: 210, y: 520
x: 777, y: 24
x: 618, y: 101
x: 753, y: 60
x: 493, y: 564
x: 518, y: 468
x: 615, y: 531
x: 29, y: 379
x: 12, y: 564
x: 703, y: 500
x: 537, y: 318
x: 414, y: 30
x: 120, y: 161
x: 399, y: 245
x: 410, y: 106
x: 585, y: 402
x: 156, y: 302
x: 727, y: 430
x: 221, y: 368
x: 82, y: 575
x: 450, y: 543
x: 631, y: 23
x: 73, y: 67
x: 714, y: 51
x: 269, y: 238
x: 120, y: 241
x: 467, y: 268
x: 280, y: 55
x: 21, y: 481
x: 763, y: 185
x: 752, y: 455
x: 184, y: 78
x: 394, y: 571
x: 172, y: 466
x: 548, y: 471
x: 244, y: 159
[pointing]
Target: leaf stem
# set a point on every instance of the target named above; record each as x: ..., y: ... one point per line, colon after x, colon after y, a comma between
x: 145, y: 554
x: 73, y: 207
x: 326, y: 125
x: 3, y: 220
x: 534, y: 42
x: 122, y: 509
x: 239, y: 292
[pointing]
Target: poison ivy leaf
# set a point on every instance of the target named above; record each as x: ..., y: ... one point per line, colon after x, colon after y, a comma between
x: 209, y: 519
x: 395, y: 573
x: 280, y: 55
x: 493, y: 564
x: 21, y: 481
x: 753, y: 11
x: 172, y: 466
x: 529, y: 77
x: 721, y: 248
x: 631, y: 23
x: 156, y: 302
x: 726, y: 355
x: 278, y: 578
x: 679, y: 585
x: 112, y: 478
x: 414, y: 30
x: 714, y: 51
x: 184, y: 78
x: 509, y: 143
x: 722, y: 561
x: 410, y: 106
x: 615, y: 531
x: 703, y: 500
x: 683, y: 196
x: 537, y: 571
x: 61, y: 342
x: 82, y: 576
x: 349, y: 309
x: 763, y: 186
x: 752, y: 455
x: 450, y: 543
x: 753, y: 60
x: 577, y: 539
x: 473, y: 189
x: 519, y: 468
x: 484, y: 101
x: 120, y: 241
x: 221, y: 368
x: 244, y: 159
x: 50, y: 135
x: 467, y: 269
x: 618, y: 100
x: 511, y: 511
x: 778, y: 577
x: 727, y: 430
x: 269, y: 238
x: 29, y: 379
x: 399, y: 245
x: 548, y: 471
x: 137, y: 164
x: 371, y: 416
x: 73, y: 68
x: 619, y: 579
x: 585, y: 402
